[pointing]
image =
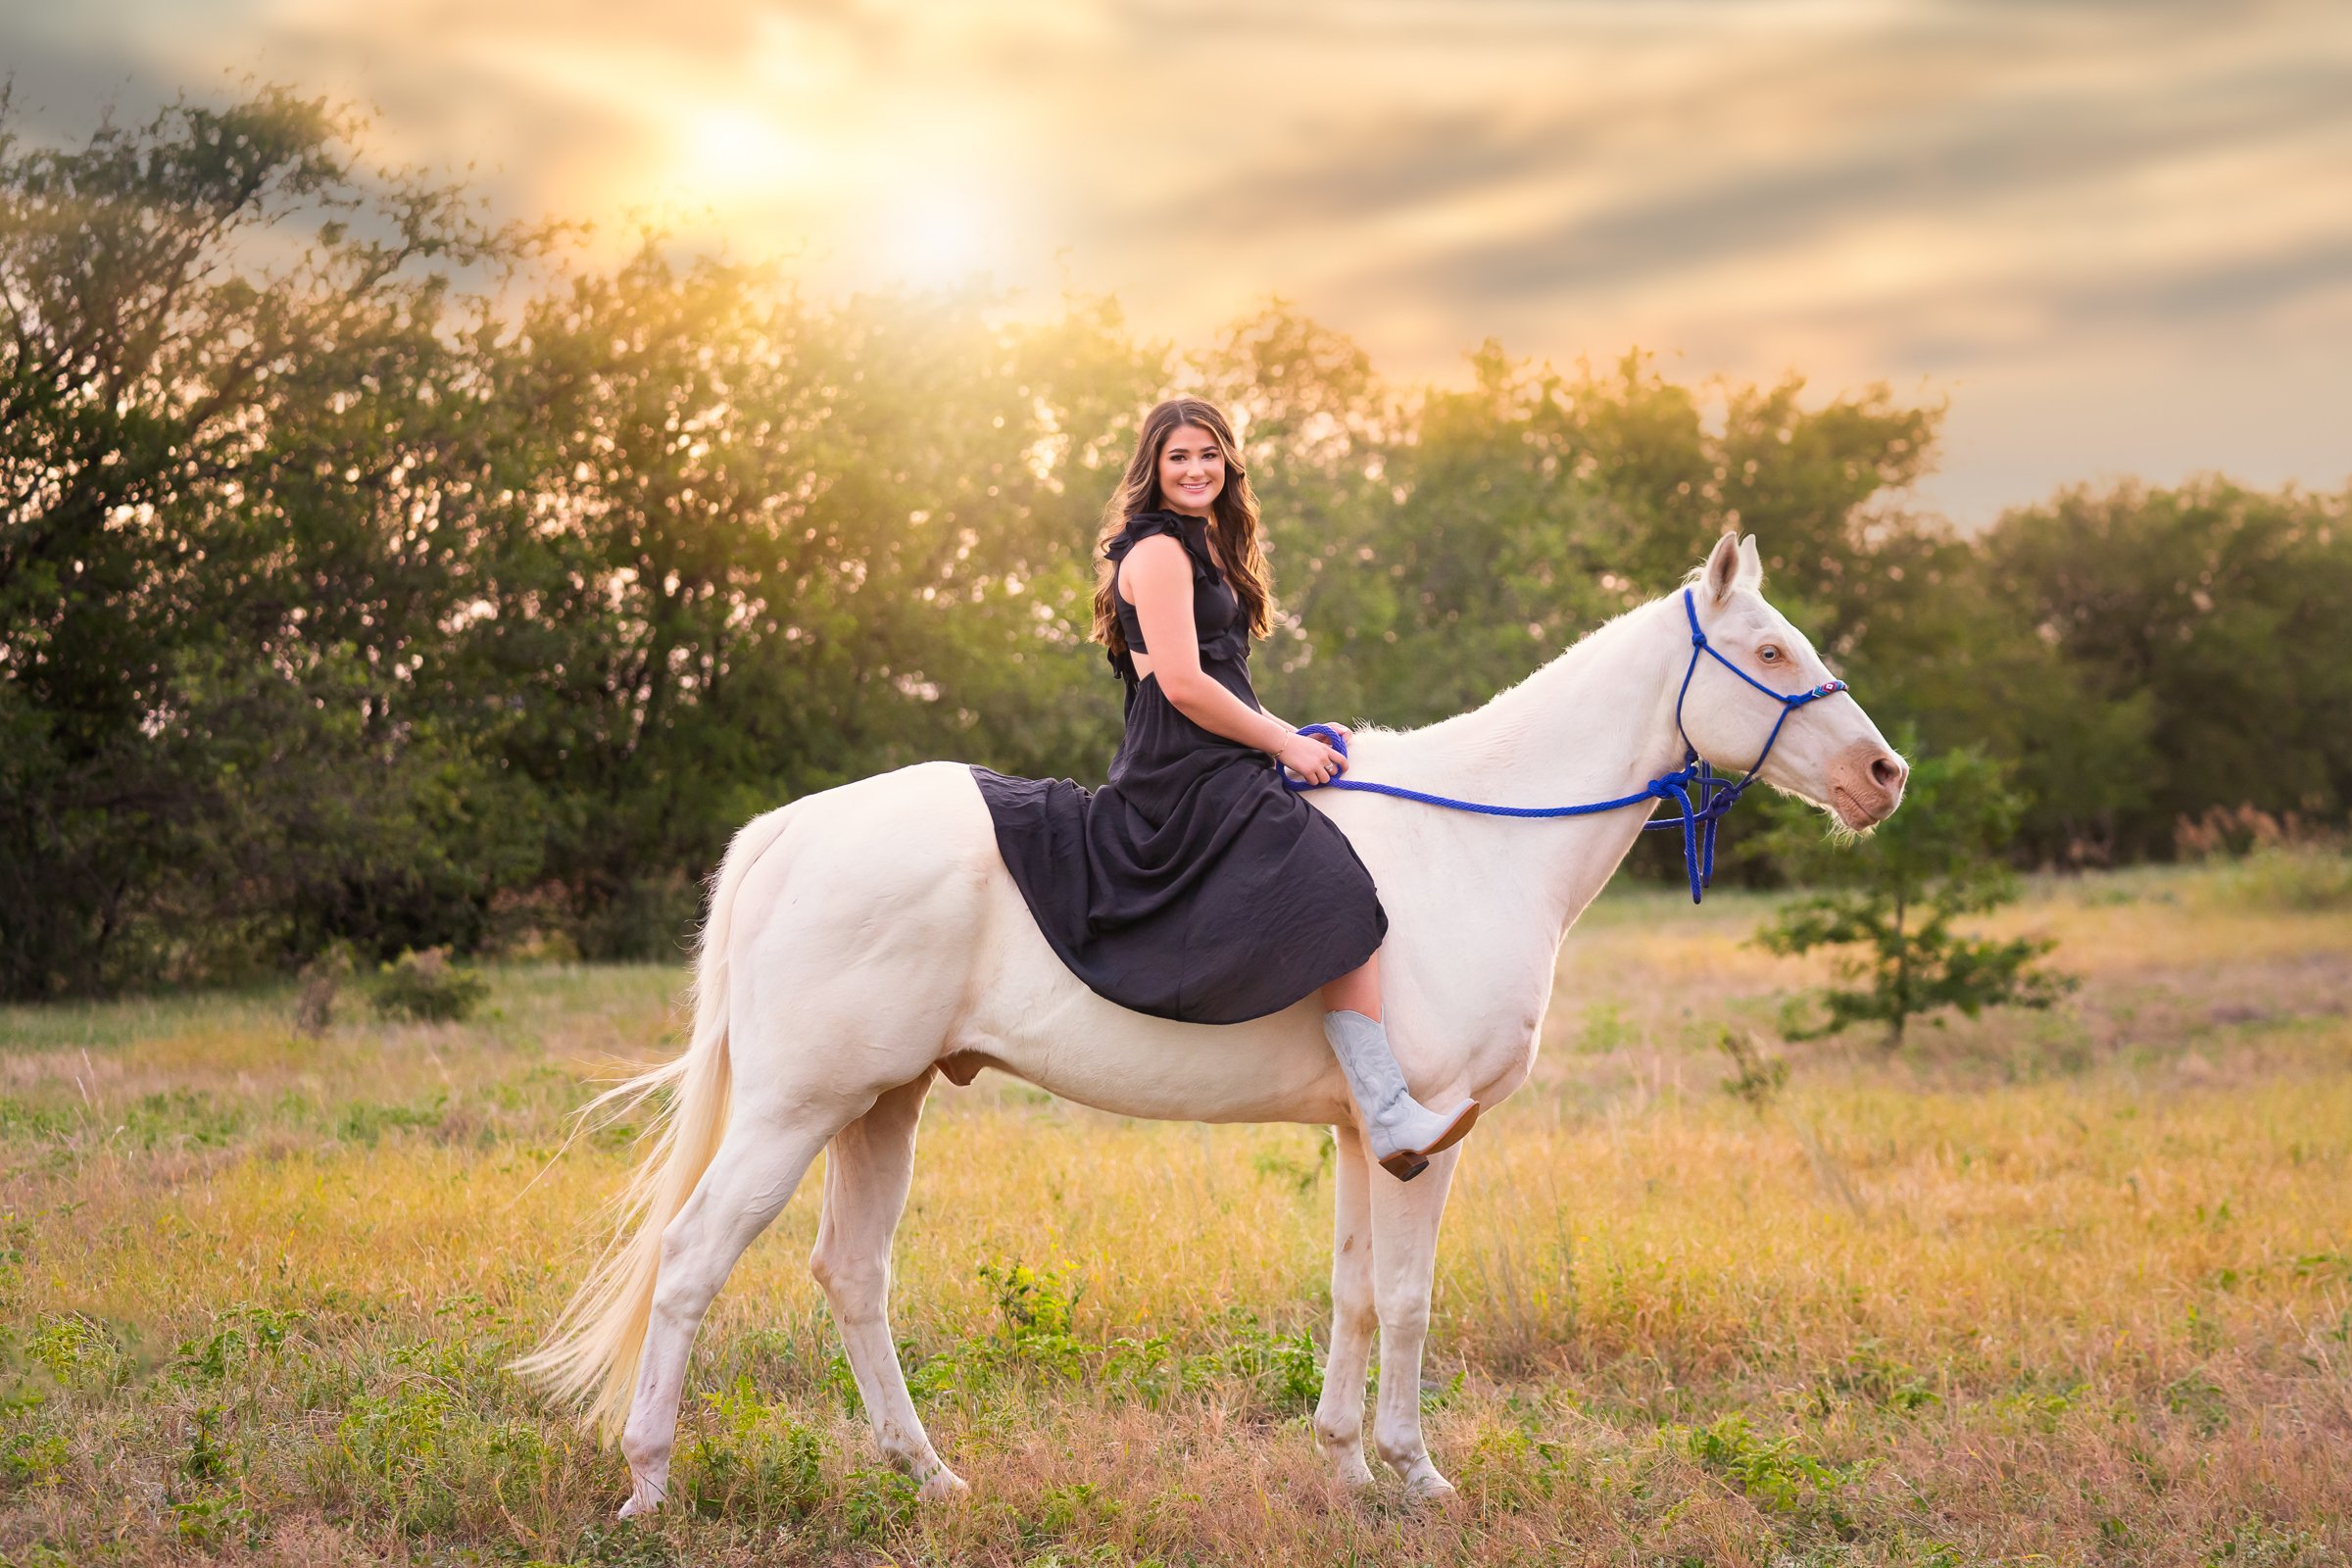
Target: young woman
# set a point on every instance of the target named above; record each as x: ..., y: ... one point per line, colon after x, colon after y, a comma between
x: 1192, y: 885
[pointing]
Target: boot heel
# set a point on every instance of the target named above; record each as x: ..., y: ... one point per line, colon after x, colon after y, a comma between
x: 1405, y: 1165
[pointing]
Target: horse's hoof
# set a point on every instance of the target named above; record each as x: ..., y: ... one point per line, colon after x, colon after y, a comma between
x: 1425, y: 1487
x: 942, y: 1485
x: 1353, y: 1476
x: 645, y: 1497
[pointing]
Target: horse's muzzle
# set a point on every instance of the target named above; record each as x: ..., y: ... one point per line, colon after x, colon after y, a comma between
x: 1866, y: 784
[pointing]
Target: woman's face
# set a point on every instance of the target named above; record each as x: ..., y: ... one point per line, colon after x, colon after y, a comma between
x: 1191, y: 470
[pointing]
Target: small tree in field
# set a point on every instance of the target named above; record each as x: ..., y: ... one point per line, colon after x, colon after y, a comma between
x: 1900, y: 891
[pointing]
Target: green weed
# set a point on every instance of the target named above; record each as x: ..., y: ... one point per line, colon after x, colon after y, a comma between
x: 367, y: 1123
x: 181, y: 1118
x: 1775, y: 1474
x: 756, y: 1463
x: 240, y: 1335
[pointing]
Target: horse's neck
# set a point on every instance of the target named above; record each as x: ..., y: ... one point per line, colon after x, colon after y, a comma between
x: 1593, y: 724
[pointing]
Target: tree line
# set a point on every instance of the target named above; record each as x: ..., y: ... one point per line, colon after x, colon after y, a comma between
x: 370, y: 571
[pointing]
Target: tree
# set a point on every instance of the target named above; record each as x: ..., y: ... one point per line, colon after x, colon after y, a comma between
x: 1933, y: 863
x: 2203, y: 628
x: 221, y: 414
x: 747, y: 547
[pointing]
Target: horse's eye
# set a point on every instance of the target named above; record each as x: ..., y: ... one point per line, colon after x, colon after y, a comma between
x: 1769, y: 654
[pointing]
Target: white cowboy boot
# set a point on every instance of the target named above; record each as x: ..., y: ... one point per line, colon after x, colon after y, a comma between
x: 1404, y: 1131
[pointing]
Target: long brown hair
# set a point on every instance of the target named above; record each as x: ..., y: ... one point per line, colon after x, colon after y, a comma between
x: 1233, y: 515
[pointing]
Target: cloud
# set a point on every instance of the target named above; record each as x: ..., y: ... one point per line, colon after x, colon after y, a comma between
x: 1956, y: 171
x: 1984, y: 193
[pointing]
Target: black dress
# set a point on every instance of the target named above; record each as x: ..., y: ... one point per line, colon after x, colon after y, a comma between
x: 1192, y: 885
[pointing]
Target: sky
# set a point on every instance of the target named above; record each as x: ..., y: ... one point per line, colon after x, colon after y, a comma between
x: 2116, y: 236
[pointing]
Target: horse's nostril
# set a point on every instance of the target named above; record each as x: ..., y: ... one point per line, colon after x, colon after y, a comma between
x: 1886, y: 772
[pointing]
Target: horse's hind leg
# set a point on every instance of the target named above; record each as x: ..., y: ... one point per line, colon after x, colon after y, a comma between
x: 867, y: 1170
x: 760, y: 1162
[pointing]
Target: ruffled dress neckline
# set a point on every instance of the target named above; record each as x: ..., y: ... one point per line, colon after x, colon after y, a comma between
x: 1194, y: 531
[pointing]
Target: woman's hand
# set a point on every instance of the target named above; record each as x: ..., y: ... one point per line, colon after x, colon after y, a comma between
x: 1313, y: 761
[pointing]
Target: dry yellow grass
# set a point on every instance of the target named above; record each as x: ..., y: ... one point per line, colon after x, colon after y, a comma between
x: 2071, y: 1287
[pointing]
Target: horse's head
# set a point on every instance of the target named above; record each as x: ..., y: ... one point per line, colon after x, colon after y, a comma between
x: 1827, y: 751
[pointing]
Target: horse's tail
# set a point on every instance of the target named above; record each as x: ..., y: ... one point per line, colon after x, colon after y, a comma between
x: 591, y: 1353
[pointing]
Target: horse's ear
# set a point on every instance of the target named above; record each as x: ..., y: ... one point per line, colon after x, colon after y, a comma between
x: 1751, y: 565
x: 1722, y: 572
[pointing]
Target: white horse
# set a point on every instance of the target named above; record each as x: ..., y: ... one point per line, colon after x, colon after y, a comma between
x: 863, y: 939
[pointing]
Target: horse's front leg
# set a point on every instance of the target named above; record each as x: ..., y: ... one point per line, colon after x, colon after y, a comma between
x: 1404, y: 1258
x: 1340, y: 1412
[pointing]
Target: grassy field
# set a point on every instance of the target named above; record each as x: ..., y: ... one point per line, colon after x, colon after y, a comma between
x: 2072, y: 1287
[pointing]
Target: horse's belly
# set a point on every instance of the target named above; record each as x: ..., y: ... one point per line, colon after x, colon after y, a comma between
x: 1131, y: 1072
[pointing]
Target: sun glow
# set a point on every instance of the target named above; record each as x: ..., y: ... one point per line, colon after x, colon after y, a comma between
x: 936, y: 238
x: 736, y: 152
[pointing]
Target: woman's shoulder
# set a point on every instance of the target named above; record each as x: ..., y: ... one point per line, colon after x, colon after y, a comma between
x: 1144, y: 524
x: 1190, y: 531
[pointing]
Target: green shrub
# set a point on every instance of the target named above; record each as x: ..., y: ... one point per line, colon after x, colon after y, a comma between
x: 876, y: 1502
x: 427, y: 987
x: 1284, y: 1367
x: 320, y: 981
x: 396, y: 1452
x: 2295, y: 878
x: 35, y: 1458
x: 759, y: 1462
x: 1776, y: 1476
x: 1935, y: 860
x: 1755, y: 1077
x: 215, y: 1522
x: 2284, y: 861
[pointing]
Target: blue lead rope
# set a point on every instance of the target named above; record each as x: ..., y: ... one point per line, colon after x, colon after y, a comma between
x: 1701, y: 799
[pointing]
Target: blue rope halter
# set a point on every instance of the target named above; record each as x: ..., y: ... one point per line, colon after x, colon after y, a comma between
x: 1699, y: 817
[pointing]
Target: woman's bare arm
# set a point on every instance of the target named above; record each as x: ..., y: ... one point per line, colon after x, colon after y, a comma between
x: 1159, y: 584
